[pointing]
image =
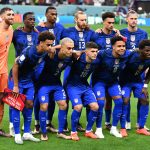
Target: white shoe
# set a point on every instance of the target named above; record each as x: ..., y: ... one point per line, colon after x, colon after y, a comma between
x: 11, y: 130
x: 128, y: 125
x: 18, y: 139
x: 30, y: 137
x: 99, y: 133
x: 115, y: 133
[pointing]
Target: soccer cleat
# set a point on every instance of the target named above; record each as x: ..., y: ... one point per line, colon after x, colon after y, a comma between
x: 145, y: 127
x: 18, y: 139
x: 108, y: 126
x: 4, y: 134
x: 51, y: 128
x: 99, y: 133
x: 123, y: 132
x: 44, y: 137
x: 143, y: 131
x: 128, y: 125
x: 30, y: 137
x: 74, y: 136
x: 80, y: 128
x: 36, y: 129
x: 62, y: 135
x: 115, y: 133
x: 11, y: 130
x: 90, y: 135
x: 66, y: 130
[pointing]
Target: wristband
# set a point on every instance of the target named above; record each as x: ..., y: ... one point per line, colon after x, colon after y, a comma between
x: 145, y: 86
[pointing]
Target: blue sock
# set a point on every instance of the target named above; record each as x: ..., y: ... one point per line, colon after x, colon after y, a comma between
x: 74, y: 120
x: 128, y: 112
x: 138, y: 110
x: 144, y: 109
x: 51, y: 109
x: 91, y: 119
x: 117, y: 111
x: 62, y: 114
x: 10, y: 115
x: 36, y: 108
x: 16, y: 120
x: 100, y: 113
x: 42, y: 115
x: 27, y: 114
x: 123, y: 116
x: 108, y: 115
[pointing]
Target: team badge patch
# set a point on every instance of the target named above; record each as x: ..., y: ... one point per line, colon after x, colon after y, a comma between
x: 76, y: 100
x: 116, y: 61
x: 107, y: 40
x: 98, y: 93
x: 43, y: 98
x: 29, y: 38
x: 80, y: 34
x: 51, y: 30
x: 132, y: 38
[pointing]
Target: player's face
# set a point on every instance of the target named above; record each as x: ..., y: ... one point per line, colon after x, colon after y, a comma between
x: 119, y: 48
x: 30, y: 21
x: 8, y: 17
x: 51, y: 15
x: 109, y: 23
x: 81, y: 21
x: 132, y: 20
x: 46, y: 46
x: 92, y: 53
x: 67, y: 49
x: 146, y: 52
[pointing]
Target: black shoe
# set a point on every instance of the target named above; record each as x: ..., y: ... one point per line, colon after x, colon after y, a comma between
x: 108, y: 126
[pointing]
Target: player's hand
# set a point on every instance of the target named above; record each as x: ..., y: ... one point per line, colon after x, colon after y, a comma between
x: 52, y: 50
x: 145, y: 92
x: 19, y: 28
x: 99, y: 30
x: 15, y: 91
x: 117, y: 32
x: 77, y: 54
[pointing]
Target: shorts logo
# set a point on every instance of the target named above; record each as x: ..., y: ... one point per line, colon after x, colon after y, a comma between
x: 43, y: 98
x: 76, y: 100
x: 123, y: 92
x: 98, y: 93
x: 22, y: 58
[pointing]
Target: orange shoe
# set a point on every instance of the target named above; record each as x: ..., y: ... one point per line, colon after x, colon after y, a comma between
x: 143, y: 131
x: 90, y: 135
x: 123, y: 132
x: 74, y: 136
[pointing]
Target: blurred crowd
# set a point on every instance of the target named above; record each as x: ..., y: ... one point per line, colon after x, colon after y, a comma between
x: 57, y: 2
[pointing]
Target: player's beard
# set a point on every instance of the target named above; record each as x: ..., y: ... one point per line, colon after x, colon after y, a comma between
x: 83, y: 26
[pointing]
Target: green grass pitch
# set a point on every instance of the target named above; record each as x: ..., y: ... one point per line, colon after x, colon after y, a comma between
x: 132, y: 142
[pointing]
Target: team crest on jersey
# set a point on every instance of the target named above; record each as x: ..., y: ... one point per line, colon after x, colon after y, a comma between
x: 43, y: 98
x: 76, y: 100
x: 98, y: 93
x: 51, y: 30
x: 29, y: 38
x: 123, y: 92
x: 107, y: 40
x: 132, y: 38
x: 60, y: 65
x: 40, y: 60
x: 80, y: 34
x: 116, y: 61
x: 140, y: 67
x: 88, y: 66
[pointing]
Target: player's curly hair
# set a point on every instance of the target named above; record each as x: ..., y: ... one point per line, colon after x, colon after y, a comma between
x: 144, y: 43
x: 108, y: 15
x: 116, y: 38
x: 46, y: 35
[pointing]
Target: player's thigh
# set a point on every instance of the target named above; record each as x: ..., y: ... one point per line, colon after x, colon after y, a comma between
x: 3, y: 81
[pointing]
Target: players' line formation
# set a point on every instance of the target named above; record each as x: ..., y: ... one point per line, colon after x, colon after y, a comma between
x: 117, y: 63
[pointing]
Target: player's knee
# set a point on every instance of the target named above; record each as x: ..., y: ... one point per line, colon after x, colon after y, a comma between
x: 78, y: 108
x: 144, y: 101
x: 125, y: 101
x: 62, y: 105
x: 116, y: 97
x: 94, y: 106
x: 29, y: 104
x: 44, y: 107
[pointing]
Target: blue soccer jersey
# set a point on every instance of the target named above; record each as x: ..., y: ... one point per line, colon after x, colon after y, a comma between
x: 23, y: 39
x: 57, y: 30
x: 110, y: 68
x: 104, y: 40
x: 80, y: 38
x: 133, y: 38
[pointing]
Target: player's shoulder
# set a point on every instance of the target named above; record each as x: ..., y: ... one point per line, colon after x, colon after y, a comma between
x: 139, y: 30
x: 124, y: 30
x: 59, y: 25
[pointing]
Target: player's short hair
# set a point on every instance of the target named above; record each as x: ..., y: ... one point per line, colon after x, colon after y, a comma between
x: 3, y: 10
x: 79, y: 13
x: 108, y: 15
x: 144, y: 43
x: 131, y: 12
x: 66, y: 40
x: 49, y: 8
x: 46, y: 35
x: 26, y: 14
x: 115, y: 39
x: 91, y: 45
